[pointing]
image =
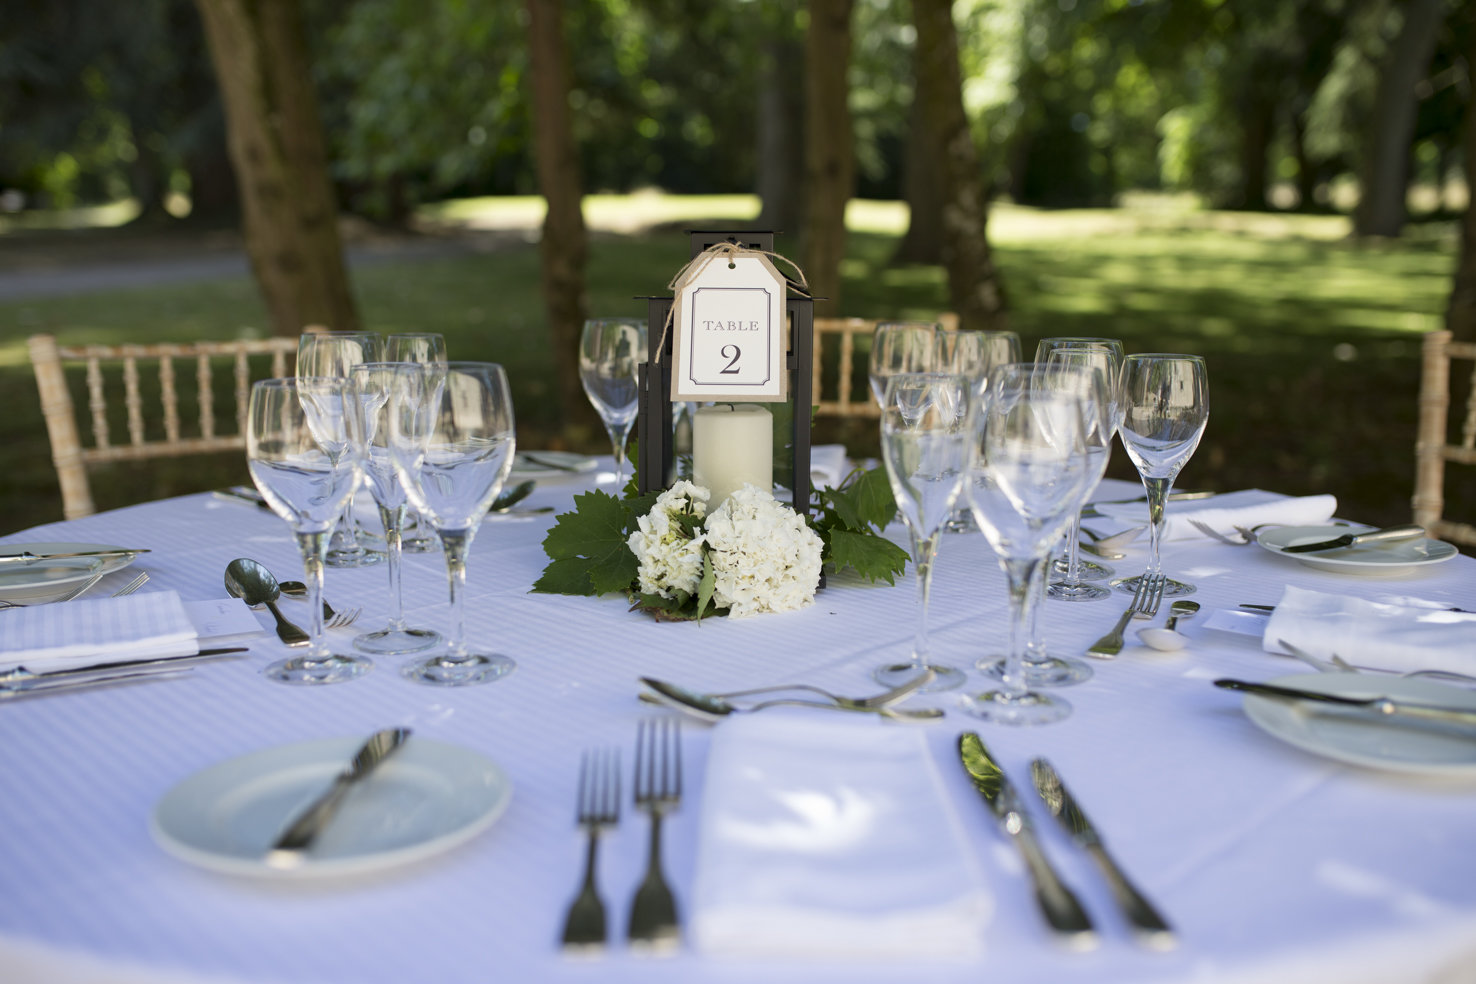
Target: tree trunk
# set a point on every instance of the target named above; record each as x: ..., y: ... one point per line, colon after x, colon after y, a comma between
x: 1460, y: 315
x: 829, y: 154
x: 564, y: 248
x: 1258, y: 127
x: 1384, y: 176
x: 922, y: 184
x: 275, y: 136
x: 781, y: 144
x: 973, y: 283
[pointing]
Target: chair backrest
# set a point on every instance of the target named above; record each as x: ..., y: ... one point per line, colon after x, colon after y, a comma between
x: 835, y: 350
x: 153, y: 432
x: 1436, y: 444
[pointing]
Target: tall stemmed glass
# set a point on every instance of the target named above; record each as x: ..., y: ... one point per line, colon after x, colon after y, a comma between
x: 452, y: 440
x: 1027, y: 472
x: 374, y: 382
x: 1103, y: 415
x: 611, y: 351
x: 333, y: 354
x: 1165, y: 398
x: 305, y: 452
x: 926, y: 433
x: 421, y: 348
x: 900, y: 346
x: 974, y: 354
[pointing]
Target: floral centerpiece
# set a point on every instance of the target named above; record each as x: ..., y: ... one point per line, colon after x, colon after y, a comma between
x: 676, y: 560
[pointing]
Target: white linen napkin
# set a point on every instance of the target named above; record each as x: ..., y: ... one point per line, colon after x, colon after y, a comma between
x: 79, y: 633
x: 1223, y: 513
x: 831, y: 839
x: 828, y: 465
x: 1397, y: 633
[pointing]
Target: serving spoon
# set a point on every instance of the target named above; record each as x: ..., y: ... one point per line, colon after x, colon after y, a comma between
x: 1169, y: 638
x: 255, y: 585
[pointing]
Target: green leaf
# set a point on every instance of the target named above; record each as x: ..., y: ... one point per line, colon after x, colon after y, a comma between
x: 707, y: 584
x: 569, y: 576
x: 871, y: 494
x: 873, y: 557
x: 594, y: 533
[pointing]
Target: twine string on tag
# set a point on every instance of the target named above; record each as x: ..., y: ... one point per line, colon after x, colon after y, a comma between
x: 698, y: 263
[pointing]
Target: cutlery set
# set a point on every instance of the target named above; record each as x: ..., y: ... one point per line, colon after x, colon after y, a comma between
x: 1058, y: 904
x: 714, y: 707
x: 654, y: 923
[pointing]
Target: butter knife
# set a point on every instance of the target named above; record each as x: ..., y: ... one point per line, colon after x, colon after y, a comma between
x: 290, y: 846
x: 1383, y: 706
x: 1061, y: 909
x: 1408, y: 531
x: 26, y: 557
x: 1149, y: 927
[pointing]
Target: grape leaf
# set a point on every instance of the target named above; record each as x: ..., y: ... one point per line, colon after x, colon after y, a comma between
x: 594, y: 533
x: 873, y: 557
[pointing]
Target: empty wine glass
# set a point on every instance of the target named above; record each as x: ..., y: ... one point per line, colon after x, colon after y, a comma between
x: 421, y: 348
x: 374, y: 382
x: 452, y: 441
x: 974, y: 354
x: 305, y: 453
x: 333, y: 354
x: 1165, y: 400
x: 611, y: 351
x: 1027, y: 472
x: 900, y: 346
x: 926, y: 432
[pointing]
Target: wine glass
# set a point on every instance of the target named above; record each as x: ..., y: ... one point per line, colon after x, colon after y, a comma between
x: 1165, y: 400
x: 1103, y: 414
x: 900, y: 346
x: 332, y: 354
x: 973, y: 353
x: 611, y: 351
x: 305, y: 453
x: 421, y: 348
x: 374, y: 382
x: 1027, y: 471
x: 452, y: 441
x: 926, y: 431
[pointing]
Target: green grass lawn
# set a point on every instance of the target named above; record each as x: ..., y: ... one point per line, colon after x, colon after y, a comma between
x: 1312, y: 339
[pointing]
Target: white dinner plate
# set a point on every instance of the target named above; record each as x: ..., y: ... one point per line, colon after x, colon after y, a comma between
x: 1362, y: 737
x: 427, y: 798
x: 43, y: 581
x: 1375, y: 559
x: 548, y: 465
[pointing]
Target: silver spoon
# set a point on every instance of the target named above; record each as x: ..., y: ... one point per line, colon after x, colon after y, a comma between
x: 255, y: 585
x: 1169, y: 638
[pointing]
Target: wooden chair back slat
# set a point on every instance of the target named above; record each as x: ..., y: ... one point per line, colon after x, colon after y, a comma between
x: 1434, y: 448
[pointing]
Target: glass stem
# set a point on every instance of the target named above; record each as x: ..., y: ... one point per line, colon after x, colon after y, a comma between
x: 394, y: 523
x: 314, y: 549
x: 1035, y: 651
x: 618, y: 436
x: 345, y: 540
x: 456, y: 544
x: 923, y: 552
x: 1158, y: 493
x: 1073, y: 553
x: 1021, y: 574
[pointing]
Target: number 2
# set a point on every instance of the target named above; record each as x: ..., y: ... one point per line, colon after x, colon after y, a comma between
x: 732, y: 366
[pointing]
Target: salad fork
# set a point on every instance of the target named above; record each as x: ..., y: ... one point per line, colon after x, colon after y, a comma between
x: 1144, y: 605
x: 598, y: 809
x: 658, y: 790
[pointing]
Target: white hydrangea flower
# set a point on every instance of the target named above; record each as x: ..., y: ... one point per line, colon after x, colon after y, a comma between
x: 765, y: 557
x: 670, y: 562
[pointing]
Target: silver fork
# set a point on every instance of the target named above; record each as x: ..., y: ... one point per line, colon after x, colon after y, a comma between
x: 133, y: 585
x: 342, y: 618
x: 74, y: 593
x: 658, y: 790
x: 1337, y: 664
x: 598, y: 808
x: 1144, y: 605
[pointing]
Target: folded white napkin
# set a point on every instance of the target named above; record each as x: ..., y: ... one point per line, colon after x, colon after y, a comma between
x: 1223, y: 513
x: 79, y: 633
x: 1397, y: 633
x: 830, y: 838
x: 828, y: 465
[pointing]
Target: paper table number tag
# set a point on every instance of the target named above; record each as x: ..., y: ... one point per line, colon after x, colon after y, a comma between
x: 731, y: 331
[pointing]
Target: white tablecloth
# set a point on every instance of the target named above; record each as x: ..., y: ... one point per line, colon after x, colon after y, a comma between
x: 1274, y: 864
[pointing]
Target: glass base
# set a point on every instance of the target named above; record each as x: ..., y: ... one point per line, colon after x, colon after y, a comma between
x: 421, y: 544
x: 1171, y: 588
x: 1089, y: 570
x: 1017, y: 710
x: 1080, y: 591
x: 308, y: 671
x: 354, y: 558
x: 448, y: 670
x: 396, y: 642
x: 896, y: 674
x: 1053, y: 671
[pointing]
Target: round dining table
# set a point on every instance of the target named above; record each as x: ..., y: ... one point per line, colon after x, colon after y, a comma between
x: 1272, y: 862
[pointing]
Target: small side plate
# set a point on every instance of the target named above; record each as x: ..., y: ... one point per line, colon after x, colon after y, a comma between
x: 1372, y: 559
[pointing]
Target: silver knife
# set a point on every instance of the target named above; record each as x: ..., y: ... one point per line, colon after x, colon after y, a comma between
x: 1408, y: 531
x: 20, y: 675
x: 1149, y: 927
x: 36, y: 688
x: 27, y: 557
x: 1383, y: 706
x: 291, y: 845
x: 1057, y: 903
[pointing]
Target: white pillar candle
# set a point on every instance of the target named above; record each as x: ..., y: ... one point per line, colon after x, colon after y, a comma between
x: 732, y: 444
